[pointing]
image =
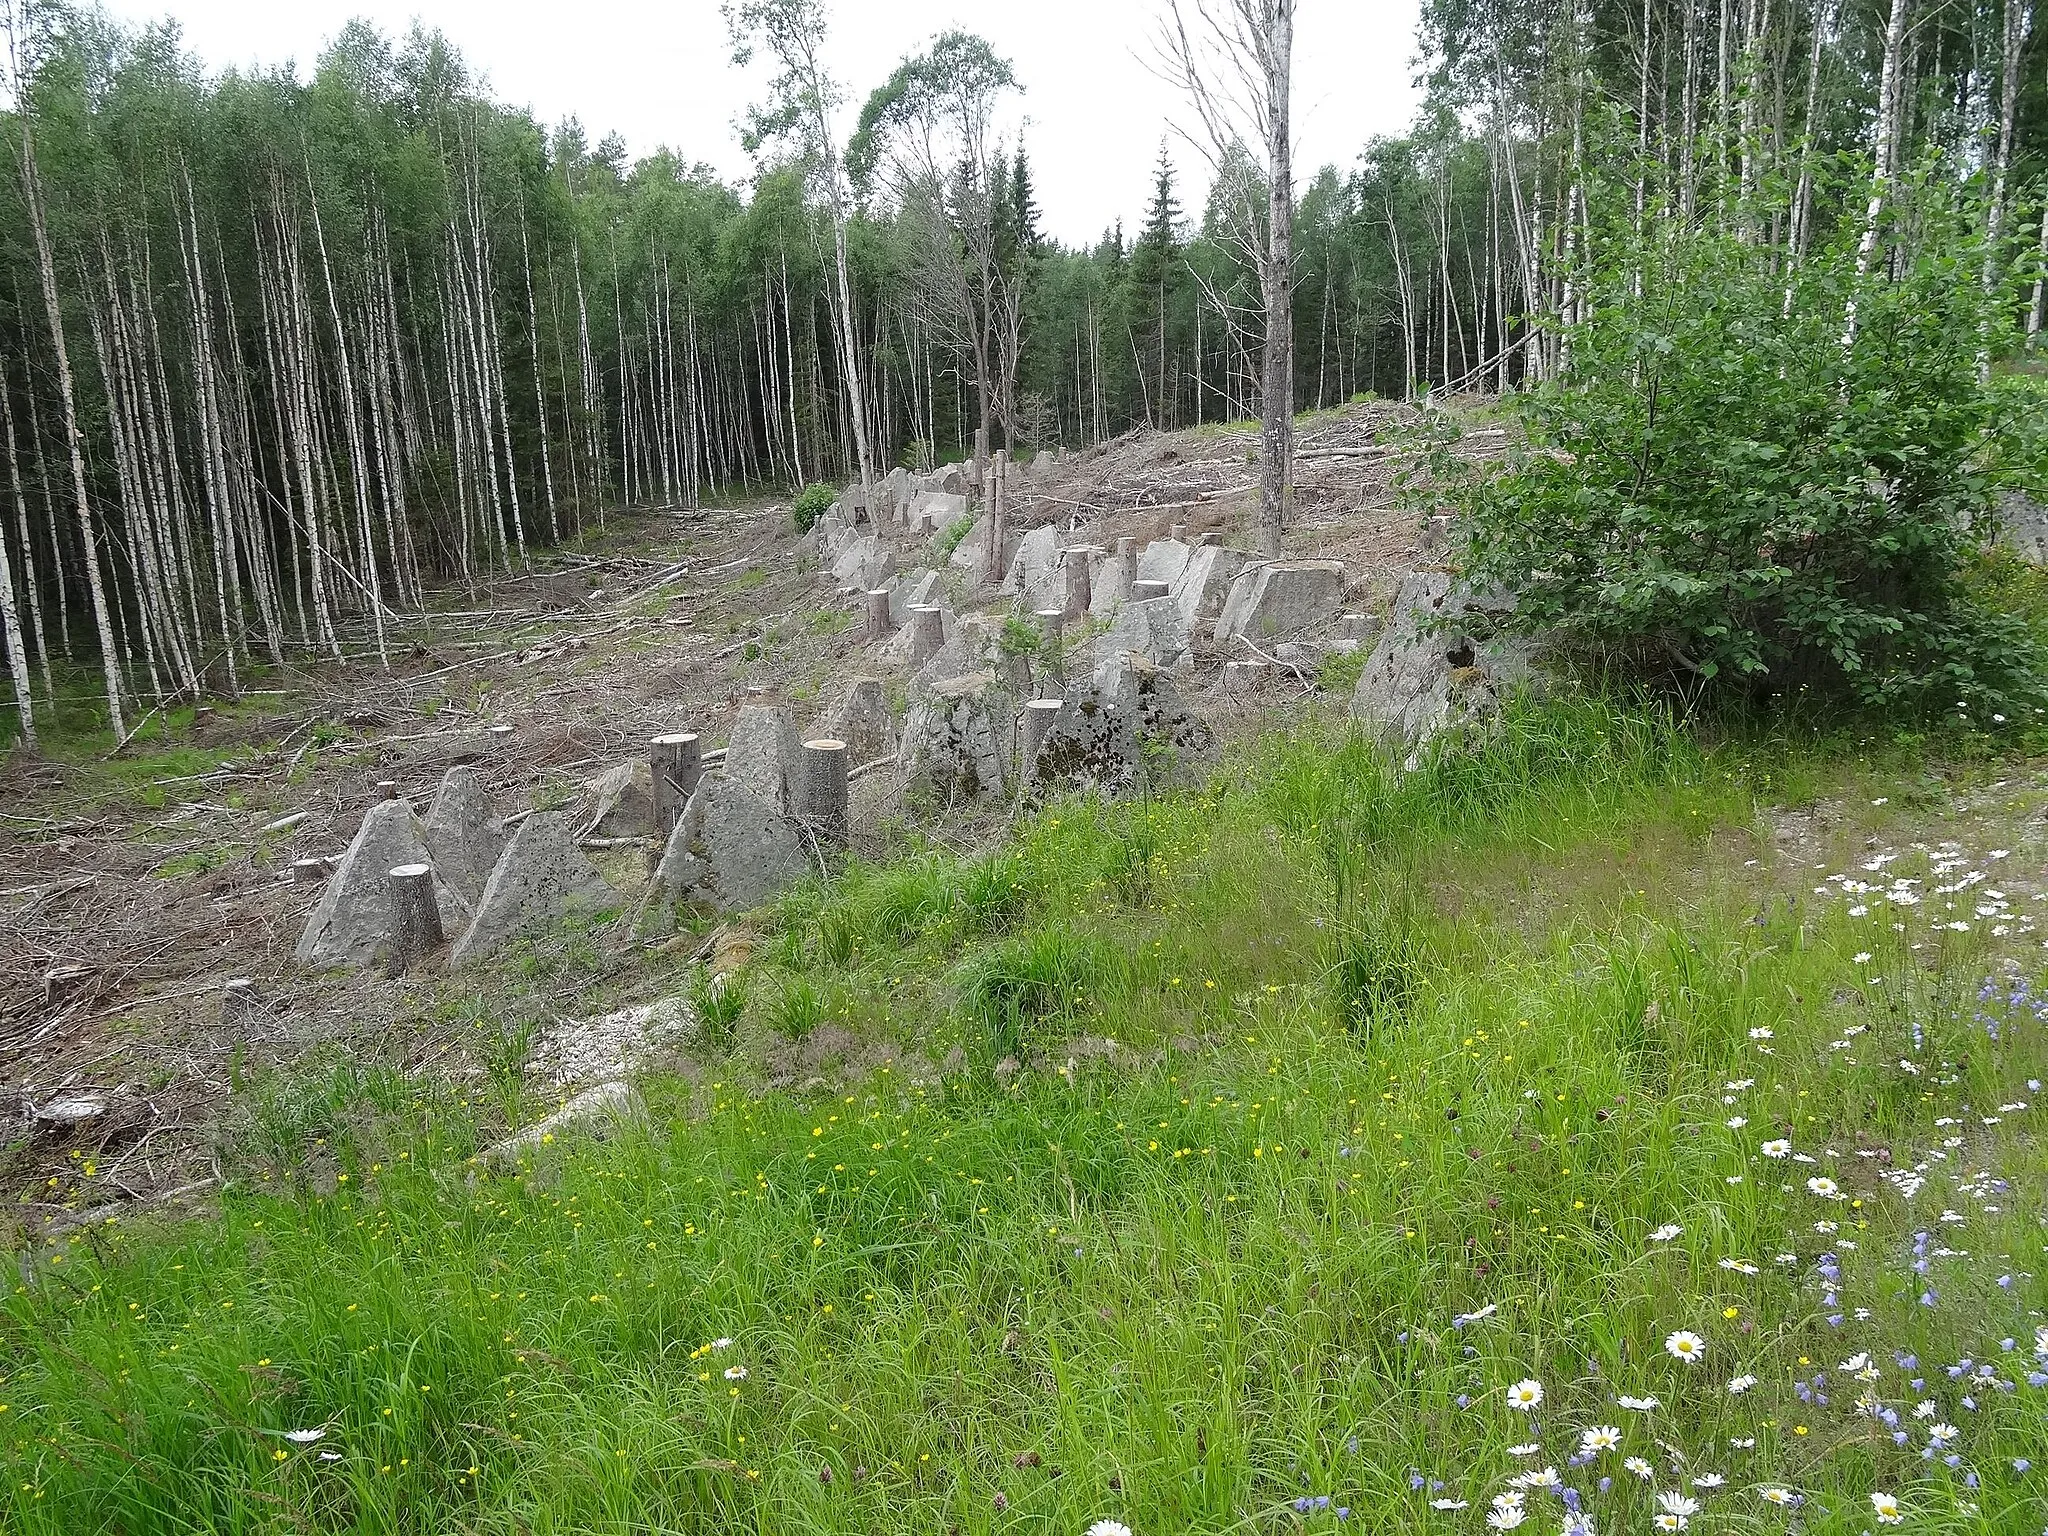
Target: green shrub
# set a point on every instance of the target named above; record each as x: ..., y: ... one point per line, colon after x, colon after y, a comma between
x: 1724, y: 492
x: 810, y: 505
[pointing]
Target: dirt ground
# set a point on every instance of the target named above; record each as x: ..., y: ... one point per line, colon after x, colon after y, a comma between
x: 148, y: 881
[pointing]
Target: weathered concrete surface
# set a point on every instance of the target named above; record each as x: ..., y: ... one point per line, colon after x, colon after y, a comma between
x: 2023, y: 526
x: 354, y: 921
x: 863, y: 563
x: 730, y: 850
x: 619, y: 802
x: 916, y: 589
x: 936, y: 511
x: 463, y: 835
x: 1164, y: 560
x: 761, y: 753
x: 1154, y: 629
x: 1279, y: 599
x: 1205, y: 581
x: 1126, y: 728
x: 956, y: 736
x: 1037, y: 557
x: 860, y: 717
x: 610, y: 1047
x: 1428, y: 674
x: 594, y: 1111
x: 541, y: 878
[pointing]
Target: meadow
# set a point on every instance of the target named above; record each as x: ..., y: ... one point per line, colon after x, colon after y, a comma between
x: 1606, y: 1129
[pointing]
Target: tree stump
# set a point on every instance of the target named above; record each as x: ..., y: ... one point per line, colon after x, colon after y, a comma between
x: 1178, y: 533
x: 500, y: 737
x: 387, y: 789
x: 1079, y: 594
x: 1126, y: 566
x: 678, y: 763
x: 239, y: 1001
x: 61, y: 983
x: 878, y: 614
x: 415, y: 916
x: 308, y: 871
x: 1145, y: 591
x: 821, y: 790
x: 1244, y: 676
x: 927, y: 632
x: 1039, y: 715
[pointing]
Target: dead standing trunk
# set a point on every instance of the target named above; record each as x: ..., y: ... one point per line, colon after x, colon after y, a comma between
x: 1276, y: 281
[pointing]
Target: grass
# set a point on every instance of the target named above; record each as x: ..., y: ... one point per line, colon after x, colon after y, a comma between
x: 1382, y: 1139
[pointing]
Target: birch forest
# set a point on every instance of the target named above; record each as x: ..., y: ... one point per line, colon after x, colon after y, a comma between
x: 286, y: 353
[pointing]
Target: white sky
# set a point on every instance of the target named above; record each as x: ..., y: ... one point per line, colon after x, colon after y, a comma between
x: 661, y: 74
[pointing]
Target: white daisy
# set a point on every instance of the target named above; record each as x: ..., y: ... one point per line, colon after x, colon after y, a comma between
x: 1686, y: 1345
x: 1741, y: 1384
x: 1601, y: 1437
x: 1525, y: 1395
x: 1779, y: 1147
x: 1886, y: 1508
x: 1665, y: 1233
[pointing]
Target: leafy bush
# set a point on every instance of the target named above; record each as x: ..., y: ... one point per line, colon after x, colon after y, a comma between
x: 1720, y: 489
x: 810, y: 505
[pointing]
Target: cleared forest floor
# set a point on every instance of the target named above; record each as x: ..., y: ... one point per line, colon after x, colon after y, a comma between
x: 160, y: 873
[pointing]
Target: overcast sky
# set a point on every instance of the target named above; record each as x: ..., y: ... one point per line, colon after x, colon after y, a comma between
x: 660, y: 73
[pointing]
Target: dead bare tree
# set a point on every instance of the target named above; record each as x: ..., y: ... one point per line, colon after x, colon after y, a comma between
x: 1233, y: 60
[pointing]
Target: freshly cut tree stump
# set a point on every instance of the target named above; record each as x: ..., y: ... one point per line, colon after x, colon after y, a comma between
x: 1126, y: 566
x: 878, y: 614
x: 821, y: 792
x: 308, y: 871
x: 927, y: 632
x: 387, y: 789
x: 1145, y: 591
x: 1079, y: 593
x: 500, y: 737
x: 415, y: 915
x: 678, y: 763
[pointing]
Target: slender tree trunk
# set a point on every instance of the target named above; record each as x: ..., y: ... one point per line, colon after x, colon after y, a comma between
x: 10, y: 615
x: 1276, y: 281
x: 1883, y: 138
x: 2012, y: 42
x: 540, y: 398
x: 30, y: 586
x: 32, y: 195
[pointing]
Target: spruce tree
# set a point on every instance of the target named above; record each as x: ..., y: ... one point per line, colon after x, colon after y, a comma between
x: 1156, y: 276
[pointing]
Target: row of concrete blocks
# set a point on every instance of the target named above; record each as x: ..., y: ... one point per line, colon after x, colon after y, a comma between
x: 819, y: 795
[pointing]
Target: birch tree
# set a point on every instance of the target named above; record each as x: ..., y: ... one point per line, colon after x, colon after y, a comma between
x: 1233, y: 60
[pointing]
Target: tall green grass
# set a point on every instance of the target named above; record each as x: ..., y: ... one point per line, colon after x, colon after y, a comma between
x: 1196, y: 1287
